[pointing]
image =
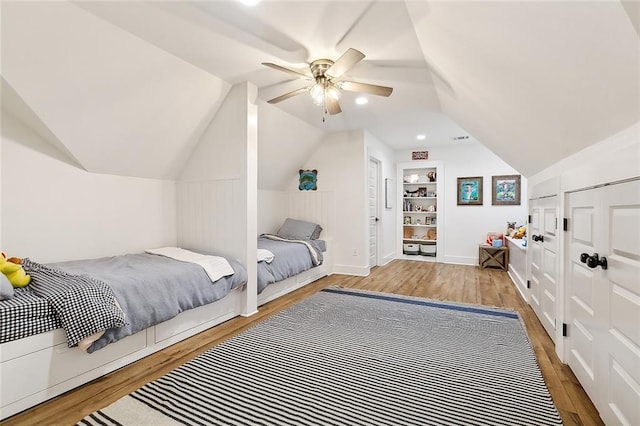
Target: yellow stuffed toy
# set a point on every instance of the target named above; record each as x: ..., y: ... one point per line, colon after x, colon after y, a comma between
x: 12, y: 269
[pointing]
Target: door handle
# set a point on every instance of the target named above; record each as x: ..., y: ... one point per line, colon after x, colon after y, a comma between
x: 538, y: 238
x: 377, y: 219
x: 594, y: 261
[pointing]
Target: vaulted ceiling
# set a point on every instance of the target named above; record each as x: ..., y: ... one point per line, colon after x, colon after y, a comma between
x: 128, y: 87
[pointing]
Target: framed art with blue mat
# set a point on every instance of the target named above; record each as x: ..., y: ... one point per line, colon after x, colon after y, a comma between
x: 308, y: 180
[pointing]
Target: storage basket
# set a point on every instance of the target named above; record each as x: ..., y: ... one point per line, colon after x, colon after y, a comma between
x: 408, y: 248
x: 428, y: 249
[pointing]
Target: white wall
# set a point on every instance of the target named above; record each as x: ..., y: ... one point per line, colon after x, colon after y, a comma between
x: 341, y: 163
x: 272, y: 210
x: 284, y: 142
x: 467, y: 226
x: 386, y: 229
x: 53, y: 211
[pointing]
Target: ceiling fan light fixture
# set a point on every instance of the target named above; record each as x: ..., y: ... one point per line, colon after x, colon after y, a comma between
x: 327, y: 86
x: 317, y: 94
x: 333, y: 92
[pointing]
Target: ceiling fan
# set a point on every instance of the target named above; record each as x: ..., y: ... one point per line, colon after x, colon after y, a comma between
x: 326, y: 86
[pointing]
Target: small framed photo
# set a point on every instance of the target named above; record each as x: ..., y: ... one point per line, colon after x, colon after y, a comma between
x: 470, y: 191
x: 505, y: 190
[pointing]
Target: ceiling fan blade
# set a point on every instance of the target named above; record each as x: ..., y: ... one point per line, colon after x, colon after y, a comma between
x: 288, y: 95
x: 287, y: 70
x: 345, y: 62
x: 372, y: 89
x: 333, y: 107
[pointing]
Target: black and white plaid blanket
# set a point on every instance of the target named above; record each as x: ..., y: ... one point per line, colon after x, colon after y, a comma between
x: 84, y: 305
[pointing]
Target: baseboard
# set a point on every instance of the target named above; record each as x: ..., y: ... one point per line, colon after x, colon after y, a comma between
x: 518, y: 284
x: 387, y: 258
x: 460, y: 260
x: 360, y: 271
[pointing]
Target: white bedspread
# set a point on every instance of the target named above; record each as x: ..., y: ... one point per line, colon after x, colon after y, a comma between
x: 216, y: 267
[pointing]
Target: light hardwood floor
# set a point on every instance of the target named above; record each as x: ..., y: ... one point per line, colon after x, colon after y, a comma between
x: 467, y: 284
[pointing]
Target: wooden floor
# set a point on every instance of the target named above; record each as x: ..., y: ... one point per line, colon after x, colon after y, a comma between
x: 467, y: 284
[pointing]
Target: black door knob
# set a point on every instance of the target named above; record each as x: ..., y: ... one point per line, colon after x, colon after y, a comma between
x: 594, y: 261
x: 538, y: 238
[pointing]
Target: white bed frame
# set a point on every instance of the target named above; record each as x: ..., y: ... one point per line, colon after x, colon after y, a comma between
x: 37, y: 368
x: 280, y: 288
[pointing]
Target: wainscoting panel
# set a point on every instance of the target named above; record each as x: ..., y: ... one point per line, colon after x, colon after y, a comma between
x: 316, y: 206
x: 211, y: 216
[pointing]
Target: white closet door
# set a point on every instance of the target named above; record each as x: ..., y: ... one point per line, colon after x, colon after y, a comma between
x: 373, y: 213
x: 544, y: 260
x: 603, y: 309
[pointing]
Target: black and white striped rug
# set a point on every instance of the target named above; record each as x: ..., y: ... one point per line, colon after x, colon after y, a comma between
x: 346, y: 357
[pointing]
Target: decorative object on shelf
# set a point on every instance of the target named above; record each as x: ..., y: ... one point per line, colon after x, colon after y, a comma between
x: 420, y: 155
x: 431, y: 176
x: 434, y: 221
x: 412, y: 178
x: 431, y: 234
x: 505, y: 190
x: 408, y: 232
x: 431, y: 208
x: 418, y: 208
x: 431, y: 194
x: 418, y: 222
x: 470, y: 191
x: 407, y: 220
x: 308, y: 180
x: 388, y: 193
x: 422, y: 192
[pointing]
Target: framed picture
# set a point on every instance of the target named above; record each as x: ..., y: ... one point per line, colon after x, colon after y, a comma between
x: 505, y: 190
x: 420, y: 155
x: 470, y: 191
x: 308, y: 180
x: 388, y: 193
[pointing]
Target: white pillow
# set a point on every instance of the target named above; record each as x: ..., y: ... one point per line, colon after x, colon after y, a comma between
x: 6, y: 289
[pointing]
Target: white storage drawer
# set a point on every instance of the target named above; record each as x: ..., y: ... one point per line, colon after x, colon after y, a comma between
x: 52, y: 366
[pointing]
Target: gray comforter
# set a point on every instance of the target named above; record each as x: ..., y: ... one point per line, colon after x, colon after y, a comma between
x: 152, y: 289
x: 290, y: 258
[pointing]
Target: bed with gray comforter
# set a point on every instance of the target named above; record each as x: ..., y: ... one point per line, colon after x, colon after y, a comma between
x: 148, y: 288
x: 291, y: 257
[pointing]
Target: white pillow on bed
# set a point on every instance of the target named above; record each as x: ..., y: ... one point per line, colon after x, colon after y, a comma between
x: 294, y: 229
x: 6, y: 289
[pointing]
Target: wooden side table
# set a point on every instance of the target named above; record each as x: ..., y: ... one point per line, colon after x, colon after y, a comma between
x: 493, y: 257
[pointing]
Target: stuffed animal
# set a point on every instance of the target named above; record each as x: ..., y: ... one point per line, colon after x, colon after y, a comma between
x: 520, y: 233
x: 13, y: 270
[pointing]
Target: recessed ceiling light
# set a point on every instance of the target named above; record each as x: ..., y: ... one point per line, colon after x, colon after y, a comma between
x: 361, y: 100
x: 421, y: 137
x: 250, y: 2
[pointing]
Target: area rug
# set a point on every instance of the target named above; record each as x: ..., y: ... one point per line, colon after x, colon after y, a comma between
x: 347, y: 357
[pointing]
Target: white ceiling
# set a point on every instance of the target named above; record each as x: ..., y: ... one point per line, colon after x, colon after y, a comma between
x: 533, y: 81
